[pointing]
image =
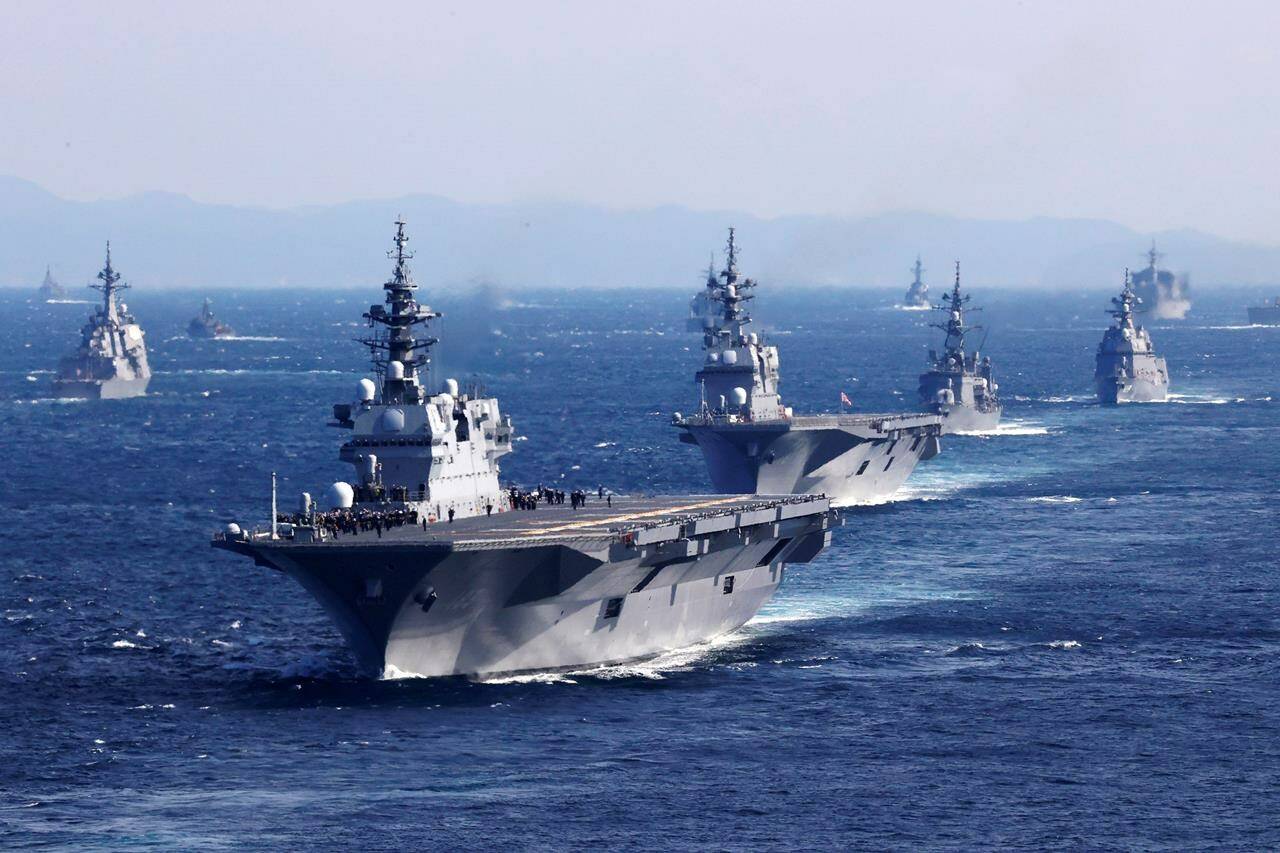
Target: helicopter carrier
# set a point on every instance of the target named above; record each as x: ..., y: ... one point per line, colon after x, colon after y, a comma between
x: 960, y: 385
x: 1266, y: 314
x: 428, y: 568
x: 752, y: 443
x: 111, y: 361
x: 1128, y: 370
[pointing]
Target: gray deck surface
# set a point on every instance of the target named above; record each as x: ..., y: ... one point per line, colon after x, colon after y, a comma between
x: 549, y: 524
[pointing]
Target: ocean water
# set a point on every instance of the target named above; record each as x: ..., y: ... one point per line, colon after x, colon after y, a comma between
x: 1062, y: 635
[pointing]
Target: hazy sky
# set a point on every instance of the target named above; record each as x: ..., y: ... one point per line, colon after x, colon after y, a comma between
x: 1157, y: 115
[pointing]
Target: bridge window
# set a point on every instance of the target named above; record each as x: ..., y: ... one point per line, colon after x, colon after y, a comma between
x: 727, y: 589
x: 863, y: 467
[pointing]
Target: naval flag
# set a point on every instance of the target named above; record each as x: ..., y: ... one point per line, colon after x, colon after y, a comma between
x: 845, y: 401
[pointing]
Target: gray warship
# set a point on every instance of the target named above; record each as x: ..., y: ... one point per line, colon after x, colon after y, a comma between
x: 1160, y: 293
x: 205, y: 325
x: 111, y: 361
x: 918, y: 293
x: 1128, y: 370
x: 1266, y: 314
x: 752, y: 443
x: 429, y: 567
x: 959, y: 385
x: 49, y: 288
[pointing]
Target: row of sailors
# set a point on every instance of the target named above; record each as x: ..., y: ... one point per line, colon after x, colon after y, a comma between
x: 529, y: 500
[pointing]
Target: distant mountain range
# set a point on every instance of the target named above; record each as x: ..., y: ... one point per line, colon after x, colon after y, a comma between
x: 167, y: 240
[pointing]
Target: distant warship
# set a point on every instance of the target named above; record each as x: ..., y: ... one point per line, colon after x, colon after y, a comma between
x: 752, y: 443
x: 1266, y: 314
x: 49, y: 288
x: 1128, y: 370
x: 960, y: 385
x: 495, y: 589
x: 205, y: 325
x: 918, y: 293
x: 704, y: 307
x: 1162, y: 293
x: 111, y: 362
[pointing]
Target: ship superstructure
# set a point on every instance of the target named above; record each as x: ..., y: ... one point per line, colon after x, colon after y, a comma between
x: 111, y: 361
x: 753, y: 443
x: 49, y: 288
x: 1128, y: 370
x: 960, y: 384
x: 918, y: 293
x: 205, y: 325
x: 1161, y: 294
x: 428, y: 568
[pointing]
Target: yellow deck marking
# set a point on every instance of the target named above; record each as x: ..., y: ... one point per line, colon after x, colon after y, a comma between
x: 635, y: 516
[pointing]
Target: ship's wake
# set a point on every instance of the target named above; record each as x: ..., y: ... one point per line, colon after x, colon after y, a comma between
x: 1008, y: 428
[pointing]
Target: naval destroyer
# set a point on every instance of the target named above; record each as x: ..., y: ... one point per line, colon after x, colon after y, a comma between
x: 1160, y: 293
x: 111, y: 361
x: 205, y: 325
x: 1128, y: 370
x: 49, y: 288
x: 918, y: 293
x: 1266, y: 314
x: 959, y: 384
x: 497, y: 589
x: 753, y: 443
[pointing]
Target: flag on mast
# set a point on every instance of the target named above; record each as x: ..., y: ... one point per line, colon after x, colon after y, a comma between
x: 845, y: 401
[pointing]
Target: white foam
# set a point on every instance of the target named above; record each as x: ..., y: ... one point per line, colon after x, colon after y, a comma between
x: 1056, y: 499
x: 1008, y: 428
x: 124, y: 644
x: 1064, y: 644
x: 606, y: 444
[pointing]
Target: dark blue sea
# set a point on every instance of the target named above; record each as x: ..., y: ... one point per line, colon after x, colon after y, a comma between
x: 1061, y: 636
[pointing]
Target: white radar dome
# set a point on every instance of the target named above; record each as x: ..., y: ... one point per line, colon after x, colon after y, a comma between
x: 340, y: 496
x: 233, y: 529
x: 730, y: 356
x: 304, y: 503
x: 713, y: 357
x: 395, y: 370
x: 365, y: 390
x: 739, y: 396
x: 451, y: 387
x: 731, y: 290
x: 392, y: 420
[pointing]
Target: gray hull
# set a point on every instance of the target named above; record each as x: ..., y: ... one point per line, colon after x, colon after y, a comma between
x: 848, y: 467
x: 109, y: 389
x: 483, y: 611
x: 1113, y: 391
x: 959, y: 419
x: 1264, y: 316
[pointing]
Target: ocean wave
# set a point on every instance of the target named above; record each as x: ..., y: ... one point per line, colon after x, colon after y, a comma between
x: 1064, y: 644
x: 1008, y: 428
x: 1203, y: 400
x: 1056, y: 499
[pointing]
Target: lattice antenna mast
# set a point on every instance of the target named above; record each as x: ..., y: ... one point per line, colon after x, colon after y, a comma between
x: 1124, y: 304
x: 110, y: 285
x: 398, y: 342
x: 1152, y: 257
x: 955, y: 306
x: 733, y: 294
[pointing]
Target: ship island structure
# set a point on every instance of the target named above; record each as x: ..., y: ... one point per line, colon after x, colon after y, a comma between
x: 918, y: 293
x: 1128, y: 370
x: 752, y: 443
x: 960, y: 385
x: 111, y: 361
x: 206, y: 325
x: 429, y: 566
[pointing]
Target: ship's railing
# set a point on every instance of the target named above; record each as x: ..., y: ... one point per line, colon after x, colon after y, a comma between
x: 688, y: 517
